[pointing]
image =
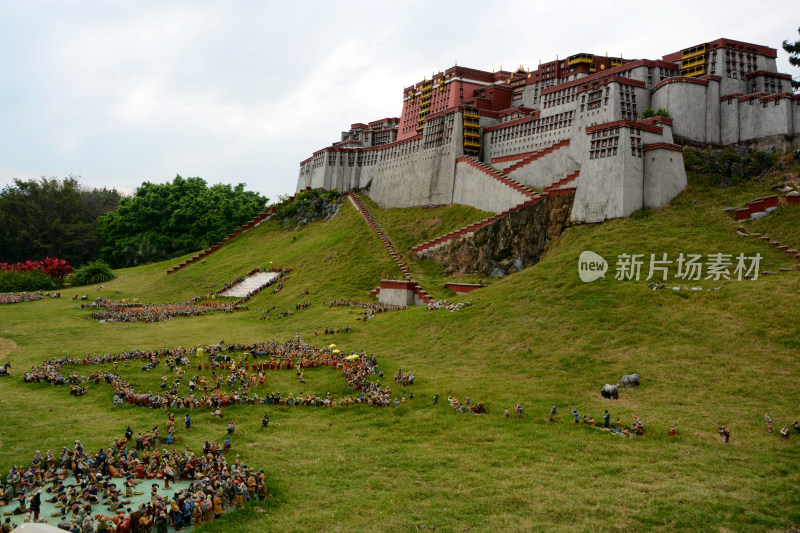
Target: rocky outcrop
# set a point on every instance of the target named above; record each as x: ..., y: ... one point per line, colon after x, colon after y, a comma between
x: 309, y: 209
x: 507, y: 245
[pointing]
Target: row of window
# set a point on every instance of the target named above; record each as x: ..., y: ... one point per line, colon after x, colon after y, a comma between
x: 560, y: 97
x: 532, y: 127
x: 663, y: 73
x: 604, y: 143
x: 610, y: 152
x: 603, y: 152
x: 769, y: 86
x: 599, y: 134
x: 752, y: 101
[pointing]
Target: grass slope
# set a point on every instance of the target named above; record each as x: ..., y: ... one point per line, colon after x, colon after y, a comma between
x: 409, y: 227
x: 540, y: 337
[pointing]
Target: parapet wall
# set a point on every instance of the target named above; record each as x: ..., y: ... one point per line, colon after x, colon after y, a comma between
x: 415, y: 179
x: 702, y: 115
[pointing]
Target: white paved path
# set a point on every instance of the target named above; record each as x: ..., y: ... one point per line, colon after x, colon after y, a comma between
x: 256, y: 281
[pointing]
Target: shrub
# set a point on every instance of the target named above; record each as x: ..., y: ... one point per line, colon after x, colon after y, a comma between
x: 55, y: 268
x: 93, y: 273
x: 725, y: 168
x: 27, y: 281
x: 649, y: 113
x: 50, y: 267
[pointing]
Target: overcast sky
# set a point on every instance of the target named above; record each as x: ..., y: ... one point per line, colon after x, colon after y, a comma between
x: 242, y: 91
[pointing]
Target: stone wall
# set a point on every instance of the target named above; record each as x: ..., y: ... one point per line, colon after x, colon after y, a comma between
x: 703, y: 114
x: 507, y: 245
x: 764, y: 117
x: 396, y: 292
x: 664, y: 176
x: 685, y: 100
x: 426, y: 178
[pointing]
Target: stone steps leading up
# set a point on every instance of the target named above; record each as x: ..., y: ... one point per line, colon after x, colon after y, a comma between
x: 563, y: 181
x: 541, y: 153
x: 791, y: 252
x: 421, y: 294
x: 497, y: 175
x: 757, y: 208
x: 761, y: 206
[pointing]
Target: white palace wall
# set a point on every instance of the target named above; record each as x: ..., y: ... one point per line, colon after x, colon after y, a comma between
x: 587, y: 130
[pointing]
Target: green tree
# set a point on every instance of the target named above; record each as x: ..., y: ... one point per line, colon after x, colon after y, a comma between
x: 52, y: 217
x: 793, y: 49
x: 175, y: 218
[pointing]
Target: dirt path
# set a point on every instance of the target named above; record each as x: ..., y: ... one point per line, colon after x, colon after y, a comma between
x: 6, y: 347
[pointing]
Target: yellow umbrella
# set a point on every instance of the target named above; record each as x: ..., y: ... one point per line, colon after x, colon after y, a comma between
x: 336, y: 352
x: 353, y: 357
x: 332, y: 346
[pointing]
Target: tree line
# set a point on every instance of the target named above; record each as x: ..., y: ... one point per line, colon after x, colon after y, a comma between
x: 49, y: 217
x: 52, y: 218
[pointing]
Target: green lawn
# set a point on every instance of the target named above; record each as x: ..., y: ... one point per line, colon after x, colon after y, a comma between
x: 540, y: 337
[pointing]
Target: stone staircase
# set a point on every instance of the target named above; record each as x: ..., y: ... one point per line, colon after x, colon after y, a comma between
x: 421, y: 294
x: 761, y: 206
x: 558, y: 188
x: 258, y: 219
x: 791, y: 252
x: 757, y: 208
x: 537, y: 155
x: 497, y: 175
x: 563, y: 182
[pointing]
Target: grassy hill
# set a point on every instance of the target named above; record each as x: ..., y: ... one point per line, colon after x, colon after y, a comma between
x: 540, y: 337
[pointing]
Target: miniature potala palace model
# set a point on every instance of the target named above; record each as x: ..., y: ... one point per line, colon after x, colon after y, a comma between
x: 495, y: 140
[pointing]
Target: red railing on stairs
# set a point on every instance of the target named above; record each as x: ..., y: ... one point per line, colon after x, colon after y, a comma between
x: 537, y: 155
x: 495, y: 174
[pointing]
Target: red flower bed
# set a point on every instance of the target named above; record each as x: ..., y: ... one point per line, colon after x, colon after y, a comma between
x: 50, y: 266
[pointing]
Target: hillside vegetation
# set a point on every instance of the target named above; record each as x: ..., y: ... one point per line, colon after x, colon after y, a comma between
x: 540, y: 337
